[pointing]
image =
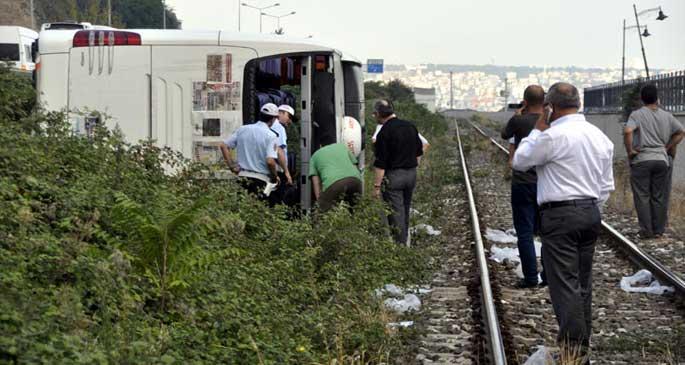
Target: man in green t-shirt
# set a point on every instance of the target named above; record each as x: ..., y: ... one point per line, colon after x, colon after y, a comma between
x: 334, y: 168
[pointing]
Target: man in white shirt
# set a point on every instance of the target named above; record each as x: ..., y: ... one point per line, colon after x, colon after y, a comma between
x: 285, y: 115
x: 256, y: 147
x: 573, y: 160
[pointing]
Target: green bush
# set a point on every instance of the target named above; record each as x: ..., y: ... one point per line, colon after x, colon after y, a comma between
x: 108, y: 259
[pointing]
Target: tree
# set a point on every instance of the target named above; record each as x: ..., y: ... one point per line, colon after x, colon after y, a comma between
x: 125, y: 13
x: 144, y: 14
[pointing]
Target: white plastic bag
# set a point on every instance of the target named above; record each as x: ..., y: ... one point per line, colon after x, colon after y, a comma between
x: 403, y: 324
x: 428, y: 228
x: 495, y: 235
x: 541, y: 357
x: 643, y: 282
x: 499, y: 254
x: 410, y: 302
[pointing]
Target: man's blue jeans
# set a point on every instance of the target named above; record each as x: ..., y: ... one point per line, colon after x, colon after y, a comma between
x: 525, y: 211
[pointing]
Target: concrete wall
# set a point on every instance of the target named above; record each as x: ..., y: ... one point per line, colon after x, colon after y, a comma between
x: 611, y: 125
x: 500, y: 117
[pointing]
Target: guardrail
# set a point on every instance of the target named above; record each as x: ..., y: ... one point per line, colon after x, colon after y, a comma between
x: 608, y: 98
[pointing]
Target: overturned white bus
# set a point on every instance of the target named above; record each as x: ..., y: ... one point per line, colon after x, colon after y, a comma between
x: 189, y: 90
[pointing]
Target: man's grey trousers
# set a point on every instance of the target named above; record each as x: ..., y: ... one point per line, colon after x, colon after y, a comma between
x: 650, y: 180
x: 398, y: 191
x: 568, y: 237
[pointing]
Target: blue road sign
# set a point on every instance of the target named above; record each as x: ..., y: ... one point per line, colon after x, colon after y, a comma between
x: 374, y: 66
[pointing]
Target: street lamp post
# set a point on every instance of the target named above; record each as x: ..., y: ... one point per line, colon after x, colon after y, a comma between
x: 33, y: 15
x: 163, y: 14
x: 261, y: 11
x: 109, y: 12
x: 660, y: 17
x: 623, y: 59
x: 642, y: 45
x: 278, y: 17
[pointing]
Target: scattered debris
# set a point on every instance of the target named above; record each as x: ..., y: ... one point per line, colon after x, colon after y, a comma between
x: 541, y: 357
x: 643, y: 282
x: 396, y: 291
x: 390, y: 289
x: 499, y: 255
x: 427, y: 228
x: 495, y: 235
x: 410, y: 302
x: 403, y: 324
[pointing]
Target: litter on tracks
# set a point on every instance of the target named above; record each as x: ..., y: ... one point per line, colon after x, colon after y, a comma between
x: 541, y: 357
x: 410, y: 302
x: 427, y: 228
x: 643, y: 282
x: 403, y: 324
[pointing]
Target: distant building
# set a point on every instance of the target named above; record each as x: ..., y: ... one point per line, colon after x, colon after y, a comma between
x: 425, y: 97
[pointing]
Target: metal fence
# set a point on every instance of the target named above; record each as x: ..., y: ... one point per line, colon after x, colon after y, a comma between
x: 608, y: 98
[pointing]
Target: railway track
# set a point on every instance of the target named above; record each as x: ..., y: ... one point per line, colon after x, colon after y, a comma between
x: 634, y: 252
x: 508, y: 324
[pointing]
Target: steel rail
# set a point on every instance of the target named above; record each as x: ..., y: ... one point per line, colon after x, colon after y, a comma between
x: 497, y: 354
x: 634, y: 252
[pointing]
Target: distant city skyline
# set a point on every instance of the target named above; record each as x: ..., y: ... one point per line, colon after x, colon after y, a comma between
x: 553, y: 33
x: 480, y: 87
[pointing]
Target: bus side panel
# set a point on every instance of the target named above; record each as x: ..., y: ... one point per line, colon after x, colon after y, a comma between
x: 52, y: 81
x: 197, y: 97
x: 113, y: 81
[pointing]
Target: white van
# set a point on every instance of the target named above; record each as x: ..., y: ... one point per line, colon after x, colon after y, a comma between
x: 16, y: 45
x: 189, y: 90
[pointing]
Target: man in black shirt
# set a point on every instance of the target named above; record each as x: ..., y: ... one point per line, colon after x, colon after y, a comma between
x: 524, y: 205
x: 398, y: 150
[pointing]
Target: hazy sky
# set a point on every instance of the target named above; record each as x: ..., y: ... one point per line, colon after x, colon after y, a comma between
x: 506, y: 32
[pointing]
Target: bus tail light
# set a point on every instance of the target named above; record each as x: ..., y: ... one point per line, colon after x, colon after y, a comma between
x: 87, y: 38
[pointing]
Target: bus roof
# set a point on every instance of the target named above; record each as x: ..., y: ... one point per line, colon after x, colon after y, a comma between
x: 14, y: 31
x: 60, y: 41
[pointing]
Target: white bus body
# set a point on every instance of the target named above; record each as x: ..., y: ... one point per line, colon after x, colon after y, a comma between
x: 189, y: 90
x: 15, y: 47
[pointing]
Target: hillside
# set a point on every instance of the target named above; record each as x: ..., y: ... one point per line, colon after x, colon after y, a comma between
x: 125, y: 13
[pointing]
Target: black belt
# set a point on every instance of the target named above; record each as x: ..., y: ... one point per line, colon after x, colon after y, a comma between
x: 566, y: 203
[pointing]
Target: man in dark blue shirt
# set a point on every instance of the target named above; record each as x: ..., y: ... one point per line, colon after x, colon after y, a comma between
x: 524, y: 205
x: 398, y: 150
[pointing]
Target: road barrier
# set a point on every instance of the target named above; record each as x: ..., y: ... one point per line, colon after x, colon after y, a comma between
x: 608, y: 98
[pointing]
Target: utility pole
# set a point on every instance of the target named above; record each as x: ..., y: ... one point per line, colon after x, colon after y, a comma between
x: 163, y: 14
x: 451, y: 92
x: 506, y: 92
x: 33, y: 14
x: 109, y: 12
x: 239, y: 11
x: 639, y: 33
x: 623, y: 60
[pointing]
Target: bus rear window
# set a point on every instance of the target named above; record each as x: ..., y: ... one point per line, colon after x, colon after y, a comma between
x: 9, y: 52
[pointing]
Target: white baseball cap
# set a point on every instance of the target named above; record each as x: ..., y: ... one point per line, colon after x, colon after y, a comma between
x: 269, y: 109
x: 287, y: 108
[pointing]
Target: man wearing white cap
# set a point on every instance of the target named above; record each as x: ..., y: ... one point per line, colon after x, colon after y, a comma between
x: 285, y: 117
x: 257, y: 149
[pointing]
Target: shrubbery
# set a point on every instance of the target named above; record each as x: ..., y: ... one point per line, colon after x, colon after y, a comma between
x: 106, y: 259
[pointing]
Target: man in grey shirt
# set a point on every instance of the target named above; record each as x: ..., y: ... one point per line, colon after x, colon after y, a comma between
x: 649, y: 136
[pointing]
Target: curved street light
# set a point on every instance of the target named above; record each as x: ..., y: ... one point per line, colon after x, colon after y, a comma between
x: 661, y: 16
x: 261, y: 11
x: 279, y: 17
